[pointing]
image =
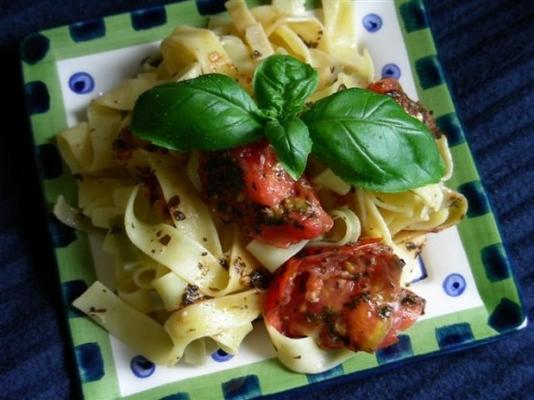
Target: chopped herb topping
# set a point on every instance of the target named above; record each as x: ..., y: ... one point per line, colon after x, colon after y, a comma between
x: 165, y: 240
x: 191, y: 295
x: 178, y: 215
x: 385, y: 312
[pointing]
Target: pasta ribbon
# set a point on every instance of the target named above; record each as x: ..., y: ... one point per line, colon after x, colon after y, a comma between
x: 346, y: 230
x: 126, y: 323
x: 227, y: 320
x: 303, y: 355
x: 124, y: 96
x: 188, y: 45
x: 272, y: 257
x: 189, y: 214
x: 177, y: 251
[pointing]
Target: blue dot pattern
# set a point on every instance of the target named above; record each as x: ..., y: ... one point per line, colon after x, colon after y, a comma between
x: 495, y: 262
x: 141, y: 367
x: 37, y: 97
x: 429, y: 72
x: 413, y: 15
x: 478, y: 202
x: 81, y: 83
x: 177, y: 396
x: 209, y: 7
x: 221, y: 355
x: 450, y: 126
x: 507, y: 315
x: 149, y: 18
x: 454, y: 335
x: 49, y: 161
x: 90, y: 362
x: 454, y: 285
x: 246, y: 387
x: 372, y: 23
x: 61, y: 235
x: 34, y: 48
x: 71, y: 290
x: 397, y: 351
x: 331, y: 373
x: 391, y: 71
x: 87, y: 30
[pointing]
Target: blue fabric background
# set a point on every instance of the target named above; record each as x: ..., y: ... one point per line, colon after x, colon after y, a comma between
x: 487, y: 51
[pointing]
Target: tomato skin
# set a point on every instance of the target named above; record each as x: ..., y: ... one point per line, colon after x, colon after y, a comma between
x: 385, y: 86
x: 248, y: 185
x: 347, y: 297
x: 266, y: 183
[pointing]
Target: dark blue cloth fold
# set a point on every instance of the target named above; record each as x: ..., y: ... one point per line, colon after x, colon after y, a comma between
x: 487, y: 50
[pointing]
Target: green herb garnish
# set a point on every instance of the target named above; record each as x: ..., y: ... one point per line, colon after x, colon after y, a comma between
x: 211, y: 112
x: 369, y: 140
x: 365, y: 138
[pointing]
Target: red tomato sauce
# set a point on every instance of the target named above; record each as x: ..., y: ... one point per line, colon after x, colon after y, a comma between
x: 346, y: 297
x: 249, y: 186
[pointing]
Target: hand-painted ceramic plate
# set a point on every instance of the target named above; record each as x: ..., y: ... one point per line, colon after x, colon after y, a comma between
x: 464, y: 273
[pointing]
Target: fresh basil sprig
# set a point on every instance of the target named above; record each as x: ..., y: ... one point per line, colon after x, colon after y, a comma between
x: 368, y: 139
x: 211, y: 112
x: 292, y: 144
x: 365, y: 138
x: 282, y: 84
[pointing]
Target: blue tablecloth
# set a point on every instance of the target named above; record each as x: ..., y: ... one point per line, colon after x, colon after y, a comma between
x: 487, y: 49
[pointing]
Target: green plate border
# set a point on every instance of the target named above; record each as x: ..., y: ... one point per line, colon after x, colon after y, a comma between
x: 503, y: 311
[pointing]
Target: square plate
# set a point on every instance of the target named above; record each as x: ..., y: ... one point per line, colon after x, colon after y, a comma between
x: 471, y: 293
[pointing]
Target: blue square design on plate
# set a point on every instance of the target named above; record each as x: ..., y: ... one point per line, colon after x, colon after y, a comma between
x: 71, y: 291
x: 88, y: 30
x: 429, y: 72
x: 60, y: 234
x: 34, y: 48
x: 90, y: 362
x: 476, y: 197
x: 149, y: 18
x: 331, y: 373
x: 37, y: 97
x: 495, y: 262
x: 450, y: 126
x: 397, y: 351
x: 507, y: 315
x: 413, y: 15
x: 454, y: 335
x: 209, y: 7
x: 49, y: 161
x: 177, y: 396
x: 242, y: 388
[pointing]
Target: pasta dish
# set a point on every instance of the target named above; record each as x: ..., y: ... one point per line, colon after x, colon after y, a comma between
x: 255, y: 168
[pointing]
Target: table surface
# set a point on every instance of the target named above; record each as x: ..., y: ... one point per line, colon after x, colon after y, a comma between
x: 487, y: 50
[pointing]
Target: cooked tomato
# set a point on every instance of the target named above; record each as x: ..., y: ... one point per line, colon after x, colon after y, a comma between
x: 248, y: 185
x: 391, y: 87
x: 346, y: 297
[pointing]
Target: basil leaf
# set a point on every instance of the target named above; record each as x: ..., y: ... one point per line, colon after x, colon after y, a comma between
x: 368, y: 140
x: 292, y: 144
x: 211, y: 112
x: 283, y: 83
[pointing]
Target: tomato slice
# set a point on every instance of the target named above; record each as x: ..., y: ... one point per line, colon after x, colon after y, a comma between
x: 347, y: 297
x: 266, y: 182
x: 249, y: 186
